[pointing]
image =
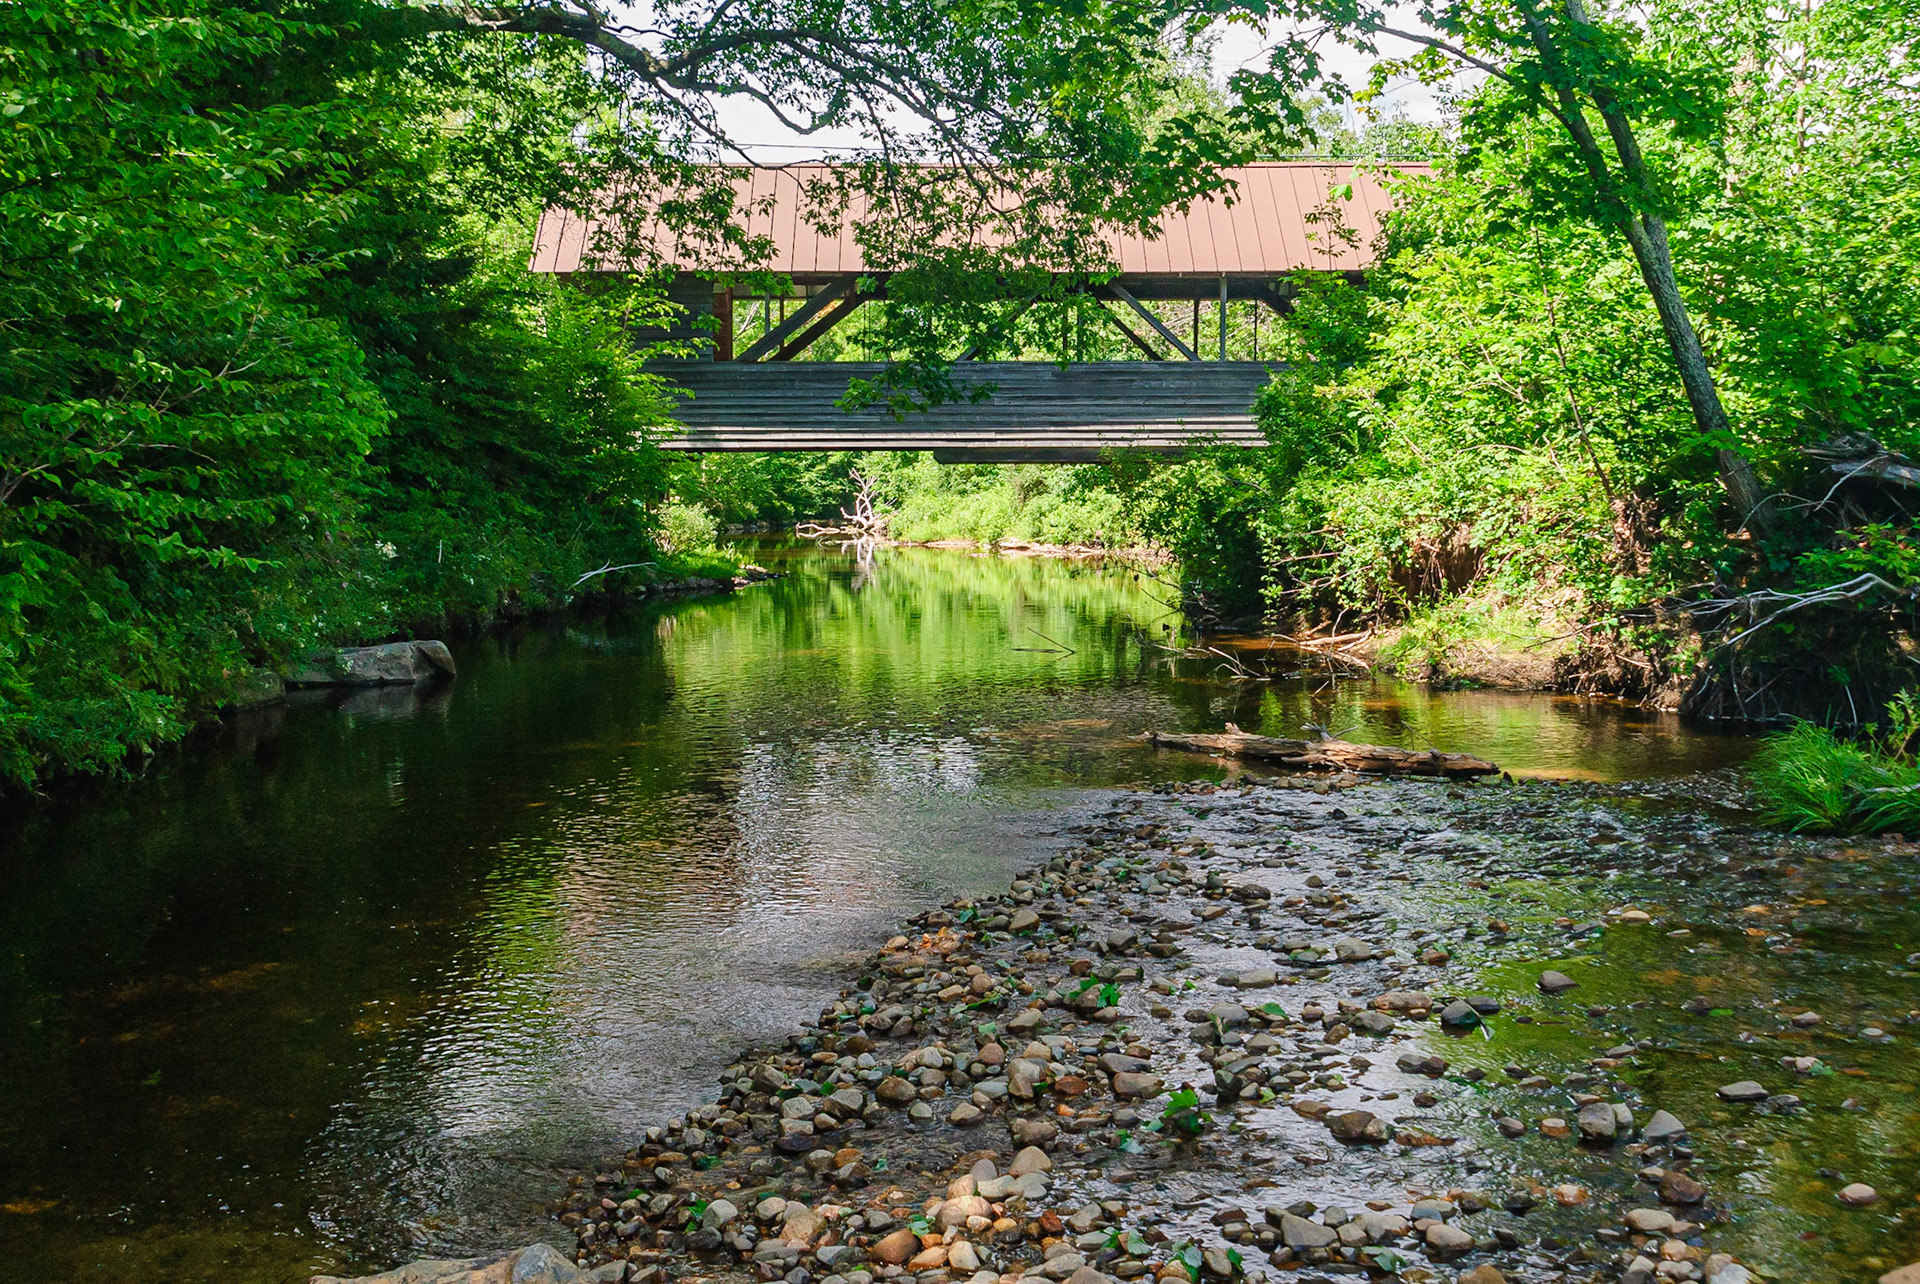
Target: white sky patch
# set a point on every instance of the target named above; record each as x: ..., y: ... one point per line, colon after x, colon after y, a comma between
x: 1238, y: 46
x: 763, y: 137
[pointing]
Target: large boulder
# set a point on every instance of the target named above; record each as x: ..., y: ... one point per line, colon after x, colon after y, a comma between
x: 390, y: 664
x: 256, y: 688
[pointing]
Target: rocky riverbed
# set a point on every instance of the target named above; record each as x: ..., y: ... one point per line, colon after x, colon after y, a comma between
x: 1283, y: 1027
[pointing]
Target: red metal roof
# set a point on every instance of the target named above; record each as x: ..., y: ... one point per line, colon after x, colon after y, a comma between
x: 1264, y: 232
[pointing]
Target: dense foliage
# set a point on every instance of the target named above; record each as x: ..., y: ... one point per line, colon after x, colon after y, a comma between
x: 1495, y: 420
x: 273, y: 374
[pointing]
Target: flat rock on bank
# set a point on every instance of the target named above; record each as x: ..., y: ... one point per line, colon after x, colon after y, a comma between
x: 391, y: 663
x: 534, y: 1264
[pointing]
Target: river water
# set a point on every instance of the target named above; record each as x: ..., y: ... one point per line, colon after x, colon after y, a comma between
x: 363, y: 978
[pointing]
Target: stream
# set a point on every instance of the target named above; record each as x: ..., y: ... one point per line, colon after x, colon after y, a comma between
x: 364, y: 977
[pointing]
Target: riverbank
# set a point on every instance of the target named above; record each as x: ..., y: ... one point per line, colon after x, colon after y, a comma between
x: 1310, y: 1026
x: 261, y: 688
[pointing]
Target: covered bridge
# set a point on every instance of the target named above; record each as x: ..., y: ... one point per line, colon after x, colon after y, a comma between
x: 754, y: 389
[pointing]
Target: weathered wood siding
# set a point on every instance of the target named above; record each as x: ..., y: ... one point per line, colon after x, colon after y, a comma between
x: 1038, y: 410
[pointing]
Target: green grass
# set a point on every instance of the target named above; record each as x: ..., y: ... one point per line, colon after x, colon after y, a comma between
x: 1807, y: 778
x: 1482, y: 639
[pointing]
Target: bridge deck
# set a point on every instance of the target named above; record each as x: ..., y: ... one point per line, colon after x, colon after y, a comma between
x: 1038, y: 411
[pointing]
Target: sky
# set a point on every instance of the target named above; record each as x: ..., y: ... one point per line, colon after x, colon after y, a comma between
x: 765, y: 139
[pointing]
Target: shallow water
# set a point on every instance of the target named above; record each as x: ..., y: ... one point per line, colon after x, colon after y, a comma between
x: 363, y: 978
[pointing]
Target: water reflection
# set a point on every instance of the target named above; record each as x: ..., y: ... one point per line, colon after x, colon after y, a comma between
x: 362, y: 981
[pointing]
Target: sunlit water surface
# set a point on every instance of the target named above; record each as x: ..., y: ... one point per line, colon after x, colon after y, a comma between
x: 363, y: 979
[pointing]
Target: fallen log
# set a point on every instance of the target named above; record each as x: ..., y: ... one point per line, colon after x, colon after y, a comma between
x: 1327, y: 755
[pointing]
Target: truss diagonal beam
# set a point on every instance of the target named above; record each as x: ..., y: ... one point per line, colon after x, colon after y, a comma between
x: 775, y: 339
x: 1160, y: 327
x: 1147, y: 350
x: 847, y: 306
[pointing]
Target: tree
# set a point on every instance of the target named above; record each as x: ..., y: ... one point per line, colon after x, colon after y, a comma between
x: 1593, y: 80
x: 266, y: 379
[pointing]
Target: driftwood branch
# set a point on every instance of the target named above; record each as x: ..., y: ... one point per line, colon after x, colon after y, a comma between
x: 1858, y: 455
x: 1776, y: 604
x: 865, y: 522
x: 610, y: 568
x: 1327, y: 755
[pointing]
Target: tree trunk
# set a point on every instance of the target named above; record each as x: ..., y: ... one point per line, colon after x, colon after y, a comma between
x: 1647, y: 234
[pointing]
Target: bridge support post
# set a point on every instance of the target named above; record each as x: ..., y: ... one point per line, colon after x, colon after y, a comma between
x: 1223, y: 316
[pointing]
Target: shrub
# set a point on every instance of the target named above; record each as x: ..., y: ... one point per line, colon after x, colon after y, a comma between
x: 686, y: 528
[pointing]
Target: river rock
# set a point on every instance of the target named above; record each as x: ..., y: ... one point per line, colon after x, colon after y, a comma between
x: 1033, y: 1132
x: 1404, y: 1001
x: 1062, y: 1265
x: 1358, y: 1127
x: 1460, y: 1015
x: 1416, y: 1062
x: 1381, y: 1227
x: 1483, y: 1274
x: 1129, y: 1086
x: 1596, y: 1122
x: 1226, y: 1014
x: 896, y: 1091
x: 1031, y: 1160
x: 1649, y: 1221
x: 961, y: 1256
x: 801, y: 1225
x: 1445, y: 1241
x: 1298, y: 1232
x: 954, y: 1212
x: 1663, y: 1127
x: 1556, y: 982
x: 1678, y: 1188
x: 1908, y: 1274
x: 1378, y: 1024
x: 1351, y: 949
x: 391, y: 664
x: 1024, y: 920
x: 896, y: 1248
x: 1026, y: 1022
x: 1745, y: 1090
x: 258, y: 687
x: 1858, y: 1195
